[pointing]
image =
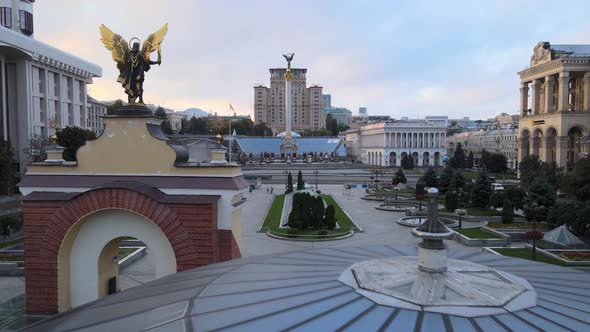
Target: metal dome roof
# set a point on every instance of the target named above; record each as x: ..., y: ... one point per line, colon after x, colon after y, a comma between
x: 300, y: 291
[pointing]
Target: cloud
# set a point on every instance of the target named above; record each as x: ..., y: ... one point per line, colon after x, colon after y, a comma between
x: 402, y: 58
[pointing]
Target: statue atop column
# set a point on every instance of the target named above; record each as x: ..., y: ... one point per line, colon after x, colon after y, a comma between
x: 132, y: 61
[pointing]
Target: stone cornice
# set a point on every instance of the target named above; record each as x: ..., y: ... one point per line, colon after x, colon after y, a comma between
x: 534, y: 71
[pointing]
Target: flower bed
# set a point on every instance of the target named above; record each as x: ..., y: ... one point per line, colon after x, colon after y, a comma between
x: 398, y: 207
x: 519, y: 226
x: 417, y: 221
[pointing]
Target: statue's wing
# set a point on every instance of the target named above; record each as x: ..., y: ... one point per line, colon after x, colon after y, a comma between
x: 153, y: 41
x: 114, y: 43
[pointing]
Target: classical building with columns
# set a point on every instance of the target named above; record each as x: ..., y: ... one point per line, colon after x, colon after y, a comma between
x: 386, y: 143
x: 502, y: 141
x: 555, y: 118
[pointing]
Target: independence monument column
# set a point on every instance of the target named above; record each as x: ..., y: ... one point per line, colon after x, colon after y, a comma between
x: 288, y: 146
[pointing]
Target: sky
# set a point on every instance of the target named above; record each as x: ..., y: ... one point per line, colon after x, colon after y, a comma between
x: 399, y: 58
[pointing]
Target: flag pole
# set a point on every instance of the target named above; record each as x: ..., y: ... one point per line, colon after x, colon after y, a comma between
x: 230, y: 135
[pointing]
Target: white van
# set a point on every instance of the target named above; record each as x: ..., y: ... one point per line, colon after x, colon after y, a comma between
x: 497, y: 187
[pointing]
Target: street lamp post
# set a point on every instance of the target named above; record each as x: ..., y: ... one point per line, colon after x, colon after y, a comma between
x: 460, y: 197
x: 286, y: 173
x: 316, y: 172
x: 396, y: 189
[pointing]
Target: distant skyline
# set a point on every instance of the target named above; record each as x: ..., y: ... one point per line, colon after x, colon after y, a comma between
x: 398, y: 58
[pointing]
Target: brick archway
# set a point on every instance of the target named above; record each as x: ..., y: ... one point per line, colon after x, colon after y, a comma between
x: 188, y: 222
x: 117, y: 198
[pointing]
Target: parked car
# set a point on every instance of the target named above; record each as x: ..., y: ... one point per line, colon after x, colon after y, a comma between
x: 497, y: 187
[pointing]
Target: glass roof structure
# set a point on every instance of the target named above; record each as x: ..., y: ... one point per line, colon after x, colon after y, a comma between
x: 301, y: 291
x: 258, y: 145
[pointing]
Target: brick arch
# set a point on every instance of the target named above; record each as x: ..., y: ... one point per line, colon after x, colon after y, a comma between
x: 116, y: 198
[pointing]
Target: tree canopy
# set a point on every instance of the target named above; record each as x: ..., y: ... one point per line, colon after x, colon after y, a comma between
x: 481, y: 192
x: 7, y: 170
x: 497, y: 163
x: 430, y: 178
x: 72, y: 138
x: 399, y: 177
x: 458, y: 159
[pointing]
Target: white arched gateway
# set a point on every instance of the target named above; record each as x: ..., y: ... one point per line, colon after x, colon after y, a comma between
x: 97, y: 239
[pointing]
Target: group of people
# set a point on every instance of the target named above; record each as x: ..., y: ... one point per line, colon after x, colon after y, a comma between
x: 269, y: 189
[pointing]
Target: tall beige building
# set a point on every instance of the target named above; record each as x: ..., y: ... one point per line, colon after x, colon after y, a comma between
x: 555, y: 118
x: 307, y: 103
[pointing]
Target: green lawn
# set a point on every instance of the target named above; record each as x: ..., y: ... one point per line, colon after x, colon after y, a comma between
x: 476, y: 233
x: 343, y: 221
x: 525, y: 253
x: 273, y: 218
x: 519, y: 225
x: 477, y: 212
x: 11, y: 242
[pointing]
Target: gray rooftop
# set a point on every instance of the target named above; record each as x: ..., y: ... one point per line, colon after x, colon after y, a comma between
x: 300, y: 291
x: 572, y: 50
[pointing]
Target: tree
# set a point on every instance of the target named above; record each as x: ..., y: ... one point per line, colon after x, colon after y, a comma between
x: 497, y: 163
x: 581, y: 180
x: 430, y: 178
x: 332, y: 124
x: 541, y: 197
x: 399, y: 177
x: 480, y: 195
x: 485, y: 156
x: 516, y: 196
x: 316, y: 212
x: 166, y: 127
x: 563, y: 213
x: 497, y: 200
x: 112, y: 109
x: 451, y: 201
x: 289, y: 183
x: 330, y: 218
x: 507, y: 212
x: 160, y: 112
x: 469, y: 160
x: 405, y: 163
x: 72, y: 138
x: 458, y: 159
x: 457, y: 181
x: 297, y: 216
x: 320, y: 132
x: 582, y: 224
x: 444, y: 183
x: 300, y: 183
x: 420, y: 192
x: 7, y: 170
x: 9, y: 225
x: 530, y: 168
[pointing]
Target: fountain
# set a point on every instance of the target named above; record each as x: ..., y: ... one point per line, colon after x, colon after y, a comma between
x: 432, y: 282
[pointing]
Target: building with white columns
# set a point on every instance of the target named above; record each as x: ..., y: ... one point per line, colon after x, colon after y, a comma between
x: 555, y: 104
x: 386, y: 143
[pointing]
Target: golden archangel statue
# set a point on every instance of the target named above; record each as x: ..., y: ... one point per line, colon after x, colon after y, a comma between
x: 133, y: 62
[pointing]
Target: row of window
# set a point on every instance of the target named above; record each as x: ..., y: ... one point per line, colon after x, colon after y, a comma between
x: 25, y: 20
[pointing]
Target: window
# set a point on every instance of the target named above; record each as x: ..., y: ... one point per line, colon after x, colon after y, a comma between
x: 26, y: 22
x: 6, y: 17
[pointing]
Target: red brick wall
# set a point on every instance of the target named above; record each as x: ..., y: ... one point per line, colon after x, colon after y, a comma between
x: 190, y: 228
